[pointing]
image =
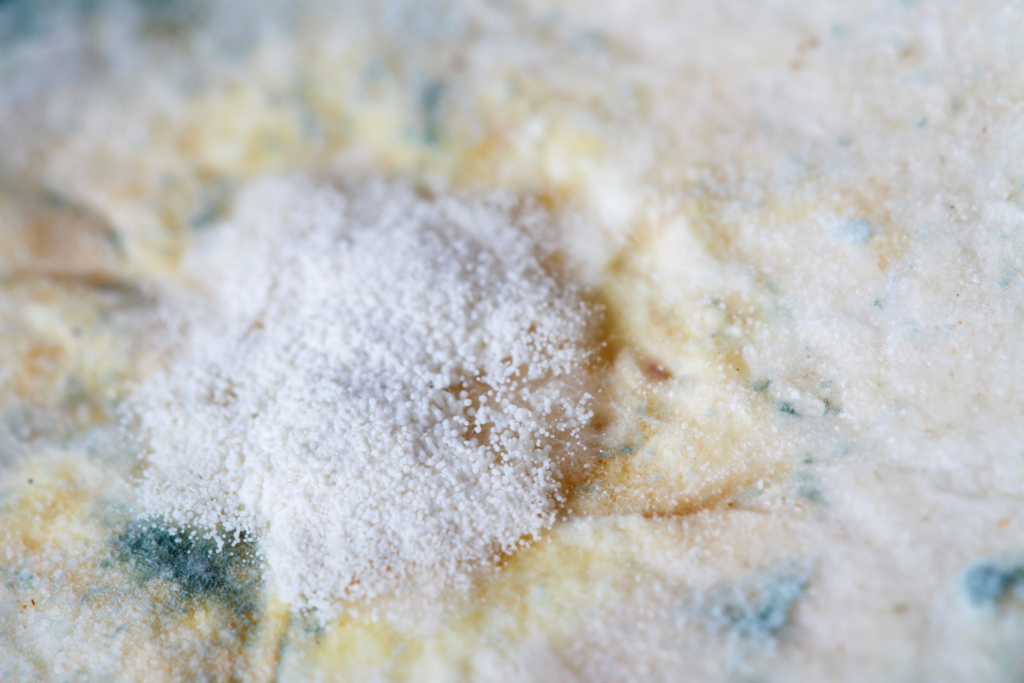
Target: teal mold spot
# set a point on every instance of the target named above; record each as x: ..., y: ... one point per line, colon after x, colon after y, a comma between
x: 831, y: 407
x: 989, y: 581
x: 373, y: 71
x: 747, y: 497
x: 231, y: 576
x: 879, y: 304
x: 853, y: 230
x: 806, y: 485
x: 923, y: 122
x: 627, y: 449
x: 843, y: 448
x: 786, y: 408
x: 307, y: 623
x: 18, y: 579
x: 1008, y: 277
x: 844, y: 141
x: 754, y: 612
x: 211, y: 205
x: 595, y: 40
x: 430, y: 96
x: 810, y: 492
x: 20, y: 20
x: 761, y: 385
x: 921, y: 77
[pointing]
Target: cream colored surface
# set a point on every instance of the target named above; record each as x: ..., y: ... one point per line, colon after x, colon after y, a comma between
x: 803, y: 221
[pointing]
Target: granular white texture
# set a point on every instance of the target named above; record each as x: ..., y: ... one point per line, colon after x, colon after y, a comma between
x: 376, y: 391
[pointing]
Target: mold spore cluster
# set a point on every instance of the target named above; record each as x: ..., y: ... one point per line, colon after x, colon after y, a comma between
x: 376, y: 388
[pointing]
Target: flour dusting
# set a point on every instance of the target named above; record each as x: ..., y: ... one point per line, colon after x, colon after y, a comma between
x: 378, y: 389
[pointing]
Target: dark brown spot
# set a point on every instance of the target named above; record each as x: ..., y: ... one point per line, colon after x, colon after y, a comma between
x: 654, y: 371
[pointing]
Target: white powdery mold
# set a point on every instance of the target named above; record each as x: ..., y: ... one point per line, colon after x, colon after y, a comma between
x: 375, y: 390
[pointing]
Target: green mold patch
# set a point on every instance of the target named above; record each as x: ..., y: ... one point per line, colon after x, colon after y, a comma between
x: 195, y: 570
x: 988, y: 582
x: 753, y: 614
